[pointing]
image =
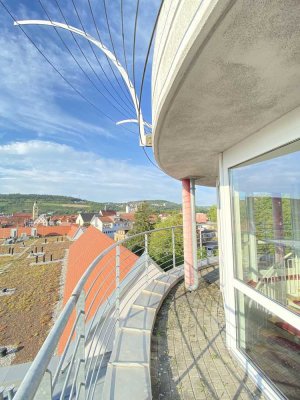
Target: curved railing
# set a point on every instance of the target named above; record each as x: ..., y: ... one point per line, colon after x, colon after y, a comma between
x: 73, y: 359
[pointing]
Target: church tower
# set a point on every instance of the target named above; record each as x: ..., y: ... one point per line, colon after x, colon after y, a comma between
x: 35, y: 211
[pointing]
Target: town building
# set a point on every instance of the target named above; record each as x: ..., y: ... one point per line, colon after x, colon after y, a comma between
x: 131, y: 208
x: 225, y: 91
x: 111, y: 224
x: 121, y: 234
x: 42, y: 219
x: 84, y: 219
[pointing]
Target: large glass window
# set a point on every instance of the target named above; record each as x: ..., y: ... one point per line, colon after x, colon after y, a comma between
x: 266, y: 221
x: 271, y: 343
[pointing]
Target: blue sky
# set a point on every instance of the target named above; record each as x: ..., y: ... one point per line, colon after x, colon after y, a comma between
x: 52, y: 141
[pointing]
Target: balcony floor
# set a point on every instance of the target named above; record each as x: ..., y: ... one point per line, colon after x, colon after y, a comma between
x: 189, y: 358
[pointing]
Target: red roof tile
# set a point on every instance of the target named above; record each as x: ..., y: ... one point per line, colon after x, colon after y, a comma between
x: 128, y: 216
x: 106, y: 219
x: 73, y: 231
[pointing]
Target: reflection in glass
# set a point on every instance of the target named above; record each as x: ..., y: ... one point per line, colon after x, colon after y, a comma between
x: 266, y: 218
x: 272, y: 344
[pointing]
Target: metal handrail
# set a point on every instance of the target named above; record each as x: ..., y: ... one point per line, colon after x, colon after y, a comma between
x: 34, y: 376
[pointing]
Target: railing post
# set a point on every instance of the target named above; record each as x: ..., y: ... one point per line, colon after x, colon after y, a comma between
x: 147, y: 258
x: 200, y: 241
x: 117, y: 287
x: 80, y: 357
x: 173, y: 248
x: 45, y: 388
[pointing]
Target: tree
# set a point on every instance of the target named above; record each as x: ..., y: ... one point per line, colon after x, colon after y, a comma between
x: 160, y: 243
x: 212, y: 213
x: 144, y: 221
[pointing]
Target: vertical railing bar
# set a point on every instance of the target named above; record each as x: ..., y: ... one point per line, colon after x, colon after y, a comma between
x: 74, y: 379
x: 62, y: 395
x: 63, y: 356
x: 173, y: 248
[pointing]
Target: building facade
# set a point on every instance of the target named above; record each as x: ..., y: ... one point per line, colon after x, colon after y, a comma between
x: 226, y: 114
x: 111, y: 224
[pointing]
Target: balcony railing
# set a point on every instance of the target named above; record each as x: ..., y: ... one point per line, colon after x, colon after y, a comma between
x: 72, y: 362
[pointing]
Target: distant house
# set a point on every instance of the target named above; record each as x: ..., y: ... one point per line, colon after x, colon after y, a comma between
x: 42, y: 220
x: 121, y: 234
x: 201, y: 218
x: 128, y: 216
x: 131, y: 208
x: 111, y: 224
x: 164, y: 216
x: 84, y: 219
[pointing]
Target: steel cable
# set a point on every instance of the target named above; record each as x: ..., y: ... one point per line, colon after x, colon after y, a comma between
x: 100, y: 64
x: 77, y: 62
x: 99, y: 37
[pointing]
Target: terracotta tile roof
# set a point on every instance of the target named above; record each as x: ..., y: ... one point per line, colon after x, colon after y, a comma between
x: 107, y: 213
x: 106, y: 219
x: 81, y: 254
x: 201, y: 218
x: 128, y: 216
x: 73, y: 231
x: 64, y: 218
x: 59, y: 230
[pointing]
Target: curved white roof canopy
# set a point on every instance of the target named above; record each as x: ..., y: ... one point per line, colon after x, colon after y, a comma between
x: 238, y: 72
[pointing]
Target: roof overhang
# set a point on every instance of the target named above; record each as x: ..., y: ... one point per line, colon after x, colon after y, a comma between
x: 240, y: 72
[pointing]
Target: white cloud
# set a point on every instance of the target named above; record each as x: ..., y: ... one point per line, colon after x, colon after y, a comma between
x: 33, y: 97
x: 46, y: 167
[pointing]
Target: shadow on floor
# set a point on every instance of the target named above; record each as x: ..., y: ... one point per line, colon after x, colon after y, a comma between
x: 189, y: 359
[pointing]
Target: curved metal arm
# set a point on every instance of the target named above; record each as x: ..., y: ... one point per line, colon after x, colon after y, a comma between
x: 110, y: 55
x: 135, y: 121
